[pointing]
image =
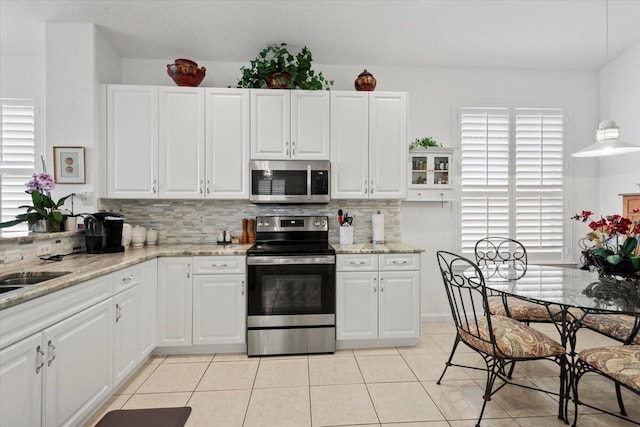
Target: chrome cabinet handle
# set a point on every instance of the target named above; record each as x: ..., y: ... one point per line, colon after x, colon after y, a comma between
x: 154, y: 185
x: 366, y: 188
x: 219, y: 265
x: 286, y: 144
x: 40, y: 355
x: 399, y: 262
x: 371, y: 186
x: 118, y: 312
x: 357, y: 262
x: 242, y: 288
x: 208, y: 182
x: 52, y: 352
x: 375, y: 286
x: 188, y: 270
x: 128, y: 279
x: 293, y: 148
x: 201, y: 182
x: 381, y: 285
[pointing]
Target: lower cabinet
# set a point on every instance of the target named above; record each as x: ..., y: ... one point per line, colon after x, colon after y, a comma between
x: 54, y: 377
x: 148, y: 292
x: 201, y: 300
x: 126, y: 353
x: 378, y: 298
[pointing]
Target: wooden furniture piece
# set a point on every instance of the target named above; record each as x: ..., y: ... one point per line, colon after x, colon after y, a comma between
x: 500, y: 340
x: 631, y: 202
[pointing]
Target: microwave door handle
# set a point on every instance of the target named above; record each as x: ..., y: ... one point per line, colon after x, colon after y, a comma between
x: 308, y: 182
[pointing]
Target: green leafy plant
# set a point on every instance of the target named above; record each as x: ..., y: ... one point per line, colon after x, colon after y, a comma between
x: 290, y: 71
x: 424, y: 142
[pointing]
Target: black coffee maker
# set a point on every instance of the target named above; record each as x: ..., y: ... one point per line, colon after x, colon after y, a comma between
x: 103, y: 232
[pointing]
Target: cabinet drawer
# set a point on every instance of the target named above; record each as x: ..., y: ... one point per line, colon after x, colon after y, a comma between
x: 219, y: 265
x: 126, y: 278
x: 391, y: 262
x: 357, y: 262
x: 430, y: 195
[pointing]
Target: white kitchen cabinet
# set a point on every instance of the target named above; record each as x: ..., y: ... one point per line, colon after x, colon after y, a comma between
x: 289, y: 125
x: 181, y: 121
x: 368, y: 145
x: 174, y: 301
x: 132, y: 141
x: 148, y: 292
x: 227, y: 147
x: 126, y: 327
x: 78, y: 364
x: 219, y: 300
x: 430, y: 174
x: 21, y: 371
x: 378, y: 297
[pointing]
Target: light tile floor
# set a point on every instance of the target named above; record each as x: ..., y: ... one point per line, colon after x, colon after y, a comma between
x: 365, y: 387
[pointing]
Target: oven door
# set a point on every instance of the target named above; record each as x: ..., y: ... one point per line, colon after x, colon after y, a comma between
x: 289, y: 291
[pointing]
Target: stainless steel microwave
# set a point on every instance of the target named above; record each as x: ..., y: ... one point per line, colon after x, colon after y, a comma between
x: 290, y: 181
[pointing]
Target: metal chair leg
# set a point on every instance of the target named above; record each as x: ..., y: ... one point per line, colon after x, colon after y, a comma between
x: 493, y: 369
x: 620, y: 402
x: 453, y: 350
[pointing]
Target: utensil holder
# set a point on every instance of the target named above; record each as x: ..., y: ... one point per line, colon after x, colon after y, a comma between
x: 346, y: 235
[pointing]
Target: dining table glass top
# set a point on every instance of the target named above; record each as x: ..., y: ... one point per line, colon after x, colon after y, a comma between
x: 570, y: 287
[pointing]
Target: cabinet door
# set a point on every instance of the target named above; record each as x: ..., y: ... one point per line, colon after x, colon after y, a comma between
x: 349, y: 145
x: 227, y: 143
x: 357, y: 305
x: 399, y: 304
x: 219, y: 309
x: 387, y: 145
x: 148, y: 290
x: 126, y: 321
x: 21, y: 382
x: 181, y: 124
x: 78, y: 371
x: 310, y: 125
x: 270, y: 124
x: 132, y: 141
x: 174, y: 301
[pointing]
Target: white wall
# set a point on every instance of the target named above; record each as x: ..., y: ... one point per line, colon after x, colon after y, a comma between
x: 620, y: 174
x: 433, y: 94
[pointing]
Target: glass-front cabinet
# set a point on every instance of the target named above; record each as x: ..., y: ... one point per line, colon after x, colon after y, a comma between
x: 430, y: 174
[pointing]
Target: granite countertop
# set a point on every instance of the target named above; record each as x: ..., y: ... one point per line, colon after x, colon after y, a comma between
x: 82, y: 267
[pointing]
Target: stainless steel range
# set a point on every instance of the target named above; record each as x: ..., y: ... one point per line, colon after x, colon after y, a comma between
x: 291, y: 276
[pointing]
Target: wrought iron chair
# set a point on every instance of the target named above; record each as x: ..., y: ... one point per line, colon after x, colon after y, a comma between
x: 500, y: 340
x: 618, y: 363
x: 495, y: 252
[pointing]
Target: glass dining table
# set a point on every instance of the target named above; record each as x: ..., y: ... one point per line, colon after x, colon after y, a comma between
x: 568, y: 293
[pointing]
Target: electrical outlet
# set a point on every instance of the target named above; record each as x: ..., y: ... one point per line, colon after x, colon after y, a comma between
x: 44, y: 249
x: 13, y: 256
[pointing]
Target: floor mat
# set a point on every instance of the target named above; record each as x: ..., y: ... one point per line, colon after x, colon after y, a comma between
x: 156, y: 417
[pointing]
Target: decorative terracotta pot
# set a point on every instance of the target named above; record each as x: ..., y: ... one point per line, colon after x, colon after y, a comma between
x: 185, y: 72
x: 278, y: 80
x: 365, y: 82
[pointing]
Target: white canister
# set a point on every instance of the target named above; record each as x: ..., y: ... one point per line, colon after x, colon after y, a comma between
x: 138, y: 236
x: 346, y: 235
x: 152, y: 236
x: 70, y: 223
x: 126, y: 235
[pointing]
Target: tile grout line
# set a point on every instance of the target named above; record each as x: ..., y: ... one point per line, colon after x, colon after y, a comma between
x: 246, y: 411
x: 200, y: 380
x: 366, y: 386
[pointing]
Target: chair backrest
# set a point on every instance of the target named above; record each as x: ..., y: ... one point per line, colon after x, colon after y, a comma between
x: 467, y: 296
x: 498, y: 252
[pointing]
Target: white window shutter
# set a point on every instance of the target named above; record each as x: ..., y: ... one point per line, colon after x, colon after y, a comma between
x: 512, y: 178
x: 18, y: 150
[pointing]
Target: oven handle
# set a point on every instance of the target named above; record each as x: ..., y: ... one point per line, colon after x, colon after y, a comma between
x: 286, y: 260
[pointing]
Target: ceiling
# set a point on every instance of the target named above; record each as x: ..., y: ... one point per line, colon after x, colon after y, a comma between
x: 537, y: 34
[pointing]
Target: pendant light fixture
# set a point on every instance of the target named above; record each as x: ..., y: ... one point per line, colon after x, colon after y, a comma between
x: 608, y: 141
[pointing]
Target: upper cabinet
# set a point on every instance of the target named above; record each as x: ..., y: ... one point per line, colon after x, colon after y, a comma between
x: 430, y: 174
x: 368, y: 145
x: 132, y: 141
x: 177, y: 142
x: 289, y: 124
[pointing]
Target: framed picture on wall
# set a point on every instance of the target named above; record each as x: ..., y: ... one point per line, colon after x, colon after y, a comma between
x: 68, y: 165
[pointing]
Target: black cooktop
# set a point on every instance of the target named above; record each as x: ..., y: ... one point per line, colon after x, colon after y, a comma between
x: 291, y: 248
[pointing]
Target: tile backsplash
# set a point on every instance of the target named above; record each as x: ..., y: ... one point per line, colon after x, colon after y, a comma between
x: 200, y: 221
x: 16, y: 252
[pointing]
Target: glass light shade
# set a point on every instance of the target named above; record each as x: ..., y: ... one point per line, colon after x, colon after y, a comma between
x: 607, y: 143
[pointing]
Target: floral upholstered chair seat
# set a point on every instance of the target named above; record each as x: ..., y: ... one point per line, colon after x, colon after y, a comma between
x: 522, y: 310
x: 513, y: 339
x: 616, y: 326
x: 622, y: 363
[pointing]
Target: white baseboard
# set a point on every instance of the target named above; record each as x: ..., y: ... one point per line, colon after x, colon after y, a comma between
x: 431, y: 318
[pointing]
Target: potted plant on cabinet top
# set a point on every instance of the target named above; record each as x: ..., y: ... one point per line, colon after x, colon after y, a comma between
x: 425, y: 142
x: 276, y: 68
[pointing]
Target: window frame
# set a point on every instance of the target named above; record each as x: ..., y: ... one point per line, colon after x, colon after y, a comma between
x: 566, y: 255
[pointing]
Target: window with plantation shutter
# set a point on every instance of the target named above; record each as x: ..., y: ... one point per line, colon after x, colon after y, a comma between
x: 18, y: 152
x: 512, y: 178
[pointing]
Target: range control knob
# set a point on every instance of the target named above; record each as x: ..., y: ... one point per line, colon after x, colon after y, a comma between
x: 260, y: 224
x: 267, y: 223
x: 324, y: 223
x: 317, y: 223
